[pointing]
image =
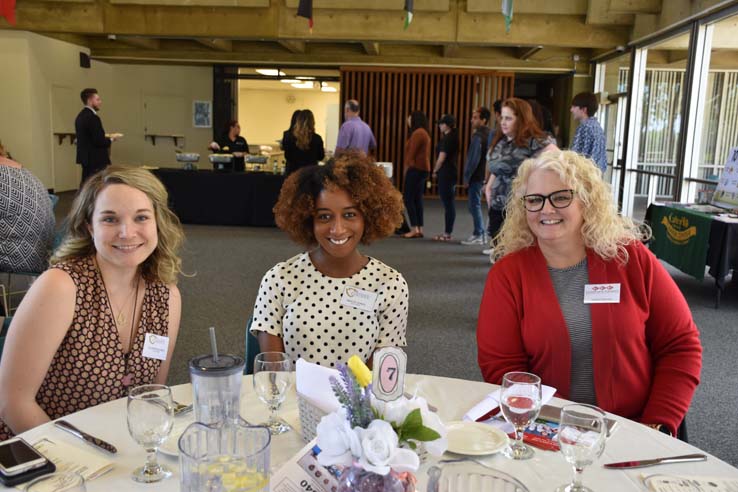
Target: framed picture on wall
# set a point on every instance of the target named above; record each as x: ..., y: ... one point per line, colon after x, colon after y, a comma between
x: 202, y: 114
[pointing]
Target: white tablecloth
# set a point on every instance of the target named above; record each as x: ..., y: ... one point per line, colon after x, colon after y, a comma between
x: 453, y: 397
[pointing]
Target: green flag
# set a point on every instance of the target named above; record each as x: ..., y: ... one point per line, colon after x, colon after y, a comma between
x: 507, y: 11
x: 409, y: 15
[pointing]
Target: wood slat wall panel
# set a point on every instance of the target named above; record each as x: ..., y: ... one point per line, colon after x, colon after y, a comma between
x: 388, y: 95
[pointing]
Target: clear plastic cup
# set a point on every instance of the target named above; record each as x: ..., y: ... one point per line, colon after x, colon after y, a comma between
x: 216, y: 387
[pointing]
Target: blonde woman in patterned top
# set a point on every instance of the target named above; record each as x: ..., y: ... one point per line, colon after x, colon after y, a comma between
x: 331, y: 301
x: 83, y: 333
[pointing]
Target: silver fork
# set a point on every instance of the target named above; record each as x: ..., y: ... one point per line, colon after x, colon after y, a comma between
x: 181, y: 409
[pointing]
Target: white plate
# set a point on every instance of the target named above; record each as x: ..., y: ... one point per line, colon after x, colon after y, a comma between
x: 171, y: 445
x: 475, y: 439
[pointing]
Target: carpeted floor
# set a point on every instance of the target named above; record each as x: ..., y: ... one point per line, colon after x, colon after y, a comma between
x: 446, y: 280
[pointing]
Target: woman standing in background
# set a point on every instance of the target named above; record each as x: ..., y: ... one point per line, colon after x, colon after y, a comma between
x: 303, y: 147
x: 417, y: 168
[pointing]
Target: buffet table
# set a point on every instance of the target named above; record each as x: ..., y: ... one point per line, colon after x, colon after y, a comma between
x: 454, y: 397
x: 208, y: 197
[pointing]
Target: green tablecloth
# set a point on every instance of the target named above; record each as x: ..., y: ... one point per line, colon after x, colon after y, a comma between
x: 681, y: 238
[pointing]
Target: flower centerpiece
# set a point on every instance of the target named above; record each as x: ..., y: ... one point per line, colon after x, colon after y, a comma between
x: 375, y: 442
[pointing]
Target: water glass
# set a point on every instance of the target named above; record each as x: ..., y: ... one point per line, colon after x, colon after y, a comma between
x: 520, y: 402
x: 150, y: 421
x: 582, y: 435
x: 58, y: 482
x: 271, y: 382
x: 225, y: 457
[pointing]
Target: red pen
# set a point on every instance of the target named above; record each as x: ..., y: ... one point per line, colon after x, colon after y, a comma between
x: 489, y: 414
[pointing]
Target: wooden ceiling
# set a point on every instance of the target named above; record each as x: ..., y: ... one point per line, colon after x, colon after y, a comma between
x: 545, y: 34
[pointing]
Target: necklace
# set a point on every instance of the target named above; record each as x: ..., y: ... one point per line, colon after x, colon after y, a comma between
x: 120, y: 319
x: 127, y: 380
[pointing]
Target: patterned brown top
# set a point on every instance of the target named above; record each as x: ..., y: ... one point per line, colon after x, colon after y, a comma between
x: 89, y: 365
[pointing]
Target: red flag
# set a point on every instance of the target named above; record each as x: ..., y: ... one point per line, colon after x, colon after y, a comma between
x: 7, y: 10
x: 305, y: 9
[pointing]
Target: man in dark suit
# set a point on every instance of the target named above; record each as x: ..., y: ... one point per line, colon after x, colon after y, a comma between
x: 93, y: 147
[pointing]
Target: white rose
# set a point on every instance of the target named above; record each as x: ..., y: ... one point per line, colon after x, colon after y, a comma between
x: 396, y: 411
x: 380, y: 451
x: 338, y: 443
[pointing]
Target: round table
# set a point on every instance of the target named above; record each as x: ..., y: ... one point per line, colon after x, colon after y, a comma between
x: 453, y: 397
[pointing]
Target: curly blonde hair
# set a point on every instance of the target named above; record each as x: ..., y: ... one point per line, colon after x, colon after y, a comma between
x: 604, y: 230
x: 378, y: 201
x: 163, y: 264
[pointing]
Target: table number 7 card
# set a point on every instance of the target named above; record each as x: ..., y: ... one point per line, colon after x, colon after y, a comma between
x: 390, y: 365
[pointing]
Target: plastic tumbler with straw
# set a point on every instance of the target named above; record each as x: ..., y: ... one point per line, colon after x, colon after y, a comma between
x: 216, y: 385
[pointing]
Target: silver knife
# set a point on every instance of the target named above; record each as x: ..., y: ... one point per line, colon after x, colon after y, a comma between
x: 657, y: 461
x: 95, y: 441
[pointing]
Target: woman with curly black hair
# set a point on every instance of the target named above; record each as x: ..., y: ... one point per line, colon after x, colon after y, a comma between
x: 331, y: 301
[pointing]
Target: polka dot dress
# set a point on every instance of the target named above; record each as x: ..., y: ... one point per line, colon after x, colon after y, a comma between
x: 302, y: 306
x: 88, y: 367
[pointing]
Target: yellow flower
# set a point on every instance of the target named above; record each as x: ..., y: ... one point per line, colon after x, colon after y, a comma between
x: 362, y: 373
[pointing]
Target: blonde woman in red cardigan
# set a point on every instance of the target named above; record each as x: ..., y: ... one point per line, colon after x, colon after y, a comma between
x: 633, y: 351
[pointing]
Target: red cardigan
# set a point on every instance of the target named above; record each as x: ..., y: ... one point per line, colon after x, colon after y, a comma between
x: 646, y: 350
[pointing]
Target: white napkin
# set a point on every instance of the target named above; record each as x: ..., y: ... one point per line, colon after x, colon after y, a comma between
x: 492, y: 401
x: 312, y: 382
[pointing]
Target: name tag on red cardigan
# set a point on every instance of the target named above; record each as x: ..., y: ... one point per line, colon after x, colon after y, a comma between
x: 601, y: 293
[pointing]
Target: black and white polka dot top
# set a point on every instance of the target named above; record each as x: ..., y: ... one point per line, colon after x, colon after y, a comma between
x: 308, y: 311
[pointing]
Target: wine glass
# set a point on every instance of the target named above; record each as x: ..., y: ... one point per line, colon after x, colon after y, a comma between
x: 582, y: 434
x: 271, y: 382
x: 520, y: 402
x: 150, y: 421
x: 58, y: 482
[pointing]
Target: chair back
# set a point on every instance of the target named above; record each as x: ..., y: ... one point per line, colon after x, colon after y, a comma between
x: 252, y: 348
x: 4, y: 333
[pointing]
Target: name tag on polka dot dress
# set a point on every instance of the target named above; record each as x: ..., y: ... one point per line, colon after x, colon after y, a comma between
x: 358, y: 298
x: 156, y: 347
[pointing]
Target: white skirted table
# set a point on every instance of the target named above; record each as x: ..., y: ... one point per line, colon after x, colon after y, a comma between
x: 453, y: 397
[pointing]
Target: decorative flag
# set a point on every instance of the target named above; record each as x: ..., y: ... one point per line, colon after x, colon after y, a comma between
x: 409, y: 16
x: 507, y: 11
x: 305, y: 9
x: 7, y: 10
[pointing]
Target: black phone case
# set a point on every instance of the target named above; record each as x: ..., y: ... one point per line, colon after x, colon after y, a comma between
x: 29, y: 475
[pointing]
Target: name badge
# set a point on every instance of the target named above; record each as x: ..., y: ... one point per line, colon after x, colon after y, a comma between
x: 358, y: 298
x: 601, y: 293
x: 156, y: 347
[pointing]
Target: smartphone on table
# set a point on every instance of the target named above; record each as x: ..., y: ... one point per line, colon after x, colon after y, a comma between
x: 17, y: 457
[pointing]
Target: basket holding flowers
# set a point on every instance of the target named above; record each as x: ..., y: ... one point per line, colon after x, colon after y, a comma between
x: 376, y: 442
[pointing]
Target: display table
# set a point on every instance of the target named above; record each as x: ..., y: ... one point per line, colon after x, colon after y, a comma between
x: 208, y: 197
x: 453, y: 397
x: 690, y: 239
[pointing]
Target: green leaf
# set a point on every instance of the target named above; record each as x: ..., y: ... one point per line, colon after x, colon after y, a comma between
x: 412, y: 421
x: 426, y: 434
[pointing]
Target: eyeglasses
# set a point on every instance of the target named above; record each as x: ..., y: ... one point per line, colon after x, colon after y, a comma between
x: 558, y: 199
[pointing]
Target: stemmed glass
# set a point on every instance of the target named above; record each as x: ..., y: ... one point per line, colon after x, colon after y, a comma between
x: 520, y: 402
x: 582, y: 434
x: 271, y: 382
x: 150, y: 421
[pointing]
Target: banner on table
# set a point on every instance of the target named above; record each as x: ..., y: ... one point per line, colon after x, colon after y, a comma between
x: 681, y: 238
x: 726, y: 193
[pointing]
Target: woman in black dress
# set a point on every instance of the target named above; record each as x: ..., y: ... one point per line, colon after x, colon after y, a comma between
x: 303, y: 147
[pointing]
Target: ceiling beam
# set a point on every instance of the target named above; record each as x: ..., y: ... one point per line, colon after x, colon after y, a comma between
x: 635, y: 6
x: 371, y: 48
x: 559, y: 7
x: 599, y: 14
x: 450, y: 50
x: 293, y: 45
x: 216, y: 43
x: 328, y: 54
x: 419, y: 6
x: 139, y: 42
x: 526, y: 52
